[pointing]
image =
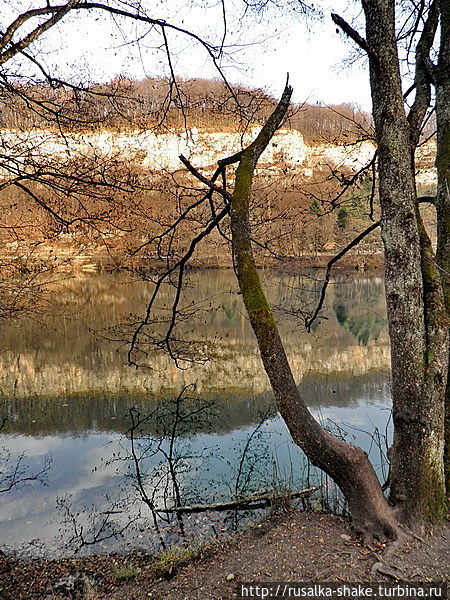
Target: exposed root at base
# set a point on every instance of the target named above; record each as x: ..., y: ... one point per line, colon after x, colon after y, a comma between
x: 388, y: 570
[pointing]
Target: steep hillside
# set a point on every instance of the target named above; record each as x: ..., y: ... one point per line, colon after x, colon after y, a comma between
x: 95, y: 196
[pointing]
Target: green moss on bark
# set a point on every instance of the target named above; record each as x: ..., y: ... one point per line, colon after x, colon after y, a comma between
x: 435, y: 505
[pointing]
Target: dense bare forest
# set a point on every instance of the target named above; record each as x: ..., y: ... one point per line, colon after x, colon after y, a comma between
x: 125, y: 104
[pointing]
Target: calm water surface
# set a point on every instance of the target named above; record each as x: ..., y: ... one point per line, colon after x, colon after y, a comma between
x: 69, y: 397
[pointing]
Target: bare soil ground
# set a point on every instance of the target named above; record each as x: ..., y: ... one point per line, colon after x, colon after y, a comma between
x: 293, y: 546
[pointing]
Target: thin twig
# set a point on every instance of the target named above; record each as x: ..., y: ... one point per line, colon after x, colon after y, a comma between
x: 352, y: 244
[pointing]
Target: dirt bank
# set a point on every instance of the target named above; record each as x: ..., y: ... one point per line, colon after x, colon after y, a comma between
x: 292, y: 546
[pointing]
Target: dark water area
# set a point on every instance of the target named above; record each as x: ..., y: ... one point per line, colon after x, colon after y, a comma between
x: 77, y: 417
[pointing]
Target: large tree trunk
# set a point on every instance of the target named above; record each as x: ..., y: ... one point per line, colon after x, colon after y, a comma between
x: 442, y: 84
x: 417, y: 321
x: 347, y: 465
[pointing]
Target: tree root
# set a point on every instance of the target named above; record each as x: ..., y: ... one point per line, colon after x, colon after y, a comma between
x: 388, y: 570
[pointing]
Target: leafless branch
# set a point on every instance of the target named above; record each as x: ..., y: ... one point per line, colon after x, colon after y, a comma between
x: 423, y: 73
x: 354, y: 35
x: 14, y: 473
x: 179, y: 266
x: 58, y: 12
x: 310, y: 320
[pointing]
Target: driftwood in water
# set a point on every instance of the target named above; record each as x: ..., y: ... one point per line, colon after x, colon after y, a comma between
x: 249, y: 502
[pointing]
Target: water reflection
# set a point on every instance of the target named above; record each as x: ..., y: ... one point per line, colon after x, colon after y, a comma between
x: 78, y: 415
x: 67, y: 394
x: 92, y: 474
x: 68, y: 355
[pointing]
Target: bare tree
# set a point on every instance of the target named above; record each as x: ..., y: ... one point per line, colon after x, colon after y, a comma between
x: 418, y: 321
x: 346, y: 464
x: 46, y: 194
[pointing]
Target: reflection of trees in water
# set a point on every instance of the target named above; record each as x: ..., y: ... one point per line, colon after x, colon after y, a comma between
x: 359, y: 309
x: 320, y: 390
x: 164, y: 467
x: 364, y: 327
x: 231, y: 312
x: 66, y: 358
x: 77, y: 414
x: 365, y: 291
x: 295, y: 291
x: 167, y: 463
x: 211, y: 467
x: 94, y: 303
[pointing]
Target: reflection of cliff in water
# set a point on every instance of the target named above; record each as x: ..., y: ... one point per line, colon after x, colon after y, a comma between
x: 64, y: 356
x: 76, y: 415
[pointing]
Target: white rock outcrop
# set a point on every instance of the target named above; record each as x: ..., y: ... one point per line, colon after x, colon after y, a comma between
x: 161, y: 151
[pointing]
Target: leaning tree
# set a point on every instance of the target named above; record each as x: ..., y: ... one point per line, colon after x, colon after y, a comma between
x: 416, y: 280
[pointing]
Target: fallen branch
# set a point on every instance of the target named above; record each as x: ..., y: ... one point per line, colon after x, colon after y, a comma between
x: 256, y: 501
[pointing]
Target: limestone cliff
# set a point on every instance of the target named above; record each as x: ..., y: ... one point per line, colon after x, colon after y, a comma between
x: 160, y: 151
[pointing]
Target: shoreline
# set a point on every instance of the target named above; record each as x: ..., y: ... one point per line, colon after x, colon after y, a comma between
x: 99, y: 262
x: 286, y: 546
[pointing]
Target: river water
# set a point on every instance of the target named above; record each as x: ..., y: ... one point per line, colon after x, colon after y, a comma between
x: 70, y: 401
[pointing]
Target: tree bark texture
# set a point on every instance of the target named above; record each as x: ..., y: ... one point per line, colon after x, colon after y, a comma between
x: 347, y: 465
x: 416, y: 315
x: 442, y: 84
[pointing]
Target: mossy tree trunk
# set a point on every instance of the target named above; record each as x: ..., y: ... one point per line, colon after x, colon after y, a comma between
x: 442, y: 83
x: 415, y: 304
x: 417, y: 315
x: 347, y: 465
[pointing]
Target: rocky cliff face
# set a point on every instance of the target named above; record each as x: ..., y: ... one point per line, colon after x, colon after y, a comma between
x: 156, y: 152
x: 289, y: 170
